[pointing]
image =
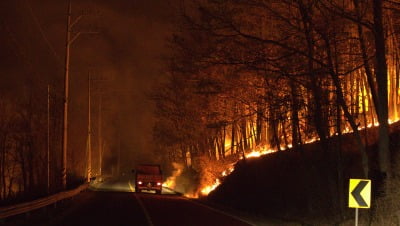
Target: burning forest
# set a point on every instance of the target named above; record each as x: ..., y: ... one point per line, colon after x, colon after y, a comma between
x: 202, y: 88
x: 249, y: 78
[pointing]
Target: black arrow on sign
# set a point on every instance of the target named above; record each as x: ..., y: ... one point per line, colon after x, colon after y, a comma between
x: 356, y: 193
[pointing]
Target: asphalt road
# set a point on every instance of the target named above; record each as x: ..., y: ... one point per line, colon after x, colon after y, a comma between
x: 114, y: 202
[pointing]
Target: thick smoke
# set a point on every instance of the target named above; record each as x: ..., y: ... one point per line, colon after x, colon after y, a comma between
x: 123, y: 57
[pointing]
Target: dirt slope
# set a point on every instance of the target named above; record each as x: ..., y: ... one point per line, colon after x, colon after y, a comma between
x: 301, y: 184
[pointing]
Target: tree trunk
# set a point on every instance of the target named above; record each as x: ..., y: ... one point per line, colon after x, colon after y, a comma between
x: 244, y: 134
x: 282, y: 123
x: 341, y: 101
x: 276, y: 134
x: 30, y: 161
x: 315, y: 89
x: 381, y: 78
x: 21, y: 148
x: 339, y: 159
x: 2, y: 167
x: 397, y: 80
x: 233, y: 137
x: 294, y: 115
x: 367, y: 67
x: 364, y: 110
x: 223, y: 141
x: 259, y: 124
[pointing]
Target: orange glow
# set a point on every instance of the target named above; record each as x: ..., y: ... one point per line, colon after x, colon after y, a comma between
x: 228, y: 171
x: 191, y: 196
x: 358, y: 98
x: 206, y: 190
x: 256, y: 154
x: 212, y: 183
x: 171, y: 181
x: 312, y: 140
x: 347, y: 130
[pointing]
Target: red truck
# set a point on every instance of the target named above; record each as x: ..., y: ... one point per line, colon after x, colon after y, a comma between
x: 148, y: 177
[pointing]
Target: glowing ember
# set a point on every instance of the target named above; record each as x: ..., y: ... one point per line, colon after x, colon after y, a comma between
x: 169, y: 183
x: 206, y: 190
x: 191, y: 196
x: 256, y: 154
x: 228, y: 171
x: 312, y: 140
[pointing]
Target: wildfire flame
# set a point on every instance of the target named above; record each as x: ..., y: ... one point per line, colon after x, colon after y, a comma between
x: 253, y: 154
x: 171, y: 181
x: 256, y: 153
x: 206, y: 190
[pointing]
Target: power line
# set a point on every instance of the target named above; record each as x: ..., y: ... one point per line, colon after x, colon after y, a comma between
x: 49, y: 45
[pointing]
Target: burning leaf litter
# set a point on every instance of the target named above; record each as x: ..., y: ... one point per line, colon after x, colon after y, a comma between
x: 205, y: 189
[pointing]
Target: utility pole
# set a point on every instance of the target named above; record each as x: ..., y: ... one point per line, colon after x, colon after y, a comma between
x: 100, y: 141
x: 69, y: 42
x: 66, y: 93
x: 89, y: 142
x: 119, y: 152
x: 48, y: 139
x: 100, y: 135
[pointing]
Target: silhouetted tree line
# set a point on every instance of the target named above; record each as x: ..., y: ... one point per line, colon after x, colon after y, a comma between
x: 23, y: 145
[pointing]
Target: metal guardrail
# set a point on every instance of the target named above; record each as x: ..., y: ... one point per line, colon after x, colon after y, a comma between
x: 12, y: 210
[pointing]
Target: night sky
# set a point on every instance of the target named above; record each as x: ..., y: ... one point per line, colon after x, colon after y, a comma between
x: 127, y: 53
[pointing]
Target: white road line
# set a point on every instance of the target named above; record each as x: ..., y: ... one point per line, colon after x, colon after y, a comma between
x: 146, y: 213
x: 219, y: 211
x: 197, y: 203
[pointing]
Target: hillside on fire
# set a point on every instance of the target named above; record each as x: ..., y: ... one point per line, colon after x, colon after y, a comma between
x: 310, y: 184
x: 266, y: 108
x: 310, y: 87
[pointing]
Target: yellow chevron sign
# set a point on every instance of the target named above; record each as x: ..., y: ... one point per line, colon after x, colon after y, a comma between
x: 359, y: 193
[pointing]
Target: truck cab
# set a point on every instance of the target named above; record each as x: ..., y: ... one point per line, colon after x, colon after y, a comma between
x: 148, y: 177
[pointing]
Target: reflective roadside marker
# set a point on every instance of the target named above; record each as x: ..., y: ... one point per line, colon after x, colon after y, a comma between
x: 359, y: 193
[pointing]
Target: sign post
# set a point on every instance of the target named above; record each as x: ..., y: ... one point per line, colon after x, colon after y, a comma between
x: 359, y: 195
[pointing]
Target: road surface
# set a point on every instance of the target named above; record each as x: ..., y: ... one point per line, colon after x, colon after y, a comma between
x: 114, y: 202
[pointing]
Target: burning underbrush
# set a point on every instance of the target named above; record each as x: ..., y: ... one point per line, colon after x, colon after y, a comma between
x: 212, y: 172
x: 301, y: 182
x: 183, y: 179
x: 208, y: 175
x: 194, y: 184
